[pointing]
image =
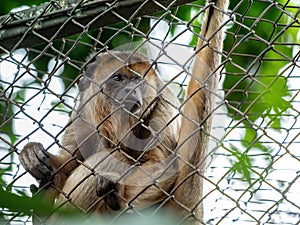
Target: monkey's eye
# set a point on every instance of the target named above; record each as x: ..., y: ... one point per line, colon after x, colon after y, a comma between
x: 117, y: 77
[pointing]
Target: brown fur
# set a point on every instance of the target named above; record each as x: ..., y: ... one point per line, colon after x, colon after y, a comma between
x: 108, y: 160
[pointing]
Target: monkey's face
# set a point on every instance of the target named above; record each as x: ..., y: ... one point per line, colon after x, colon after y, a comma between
x: 122, y: 82
x: 124, y: 89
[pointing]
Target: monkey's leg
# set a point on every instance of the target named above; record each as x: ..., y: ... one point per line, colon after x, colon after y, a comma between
x: 143, y: 186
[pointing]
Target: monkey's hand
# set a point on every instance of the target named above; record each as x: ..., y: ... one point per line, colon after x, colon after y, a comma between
x: 35, y: 160
x: 108, y: 189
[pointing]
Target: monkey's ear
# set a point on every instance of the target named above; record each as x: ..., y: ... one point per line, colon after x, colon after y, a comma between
x: 83, y: 83
x: 88, y: 72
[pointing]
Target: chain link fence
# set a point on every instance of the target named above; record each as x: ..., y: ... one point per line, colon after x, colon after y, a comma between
x: 253, y: 163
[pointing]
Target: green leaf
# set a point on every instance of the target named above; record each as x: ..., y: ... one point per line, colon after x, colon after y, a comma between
x: 23, y: 204
x: 242, y: 165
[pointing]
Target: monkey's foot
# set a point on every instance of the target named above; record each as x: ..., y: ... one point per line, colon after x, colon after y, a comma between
x: 108, y: 189
x: 35, y: 160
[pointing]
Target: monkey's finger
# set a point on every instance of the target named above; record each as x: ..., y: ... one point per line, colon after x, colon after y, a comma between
x: 108, y: 189
x: 112, y: 200
x: 104, y: 185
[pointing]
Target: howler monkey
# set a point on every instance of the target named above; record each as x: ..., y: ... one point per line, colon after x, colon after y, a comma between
x: 130, y: 142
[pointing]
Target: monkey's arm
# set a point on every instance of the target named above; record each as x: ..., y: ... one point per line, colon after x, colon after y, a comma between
x: 46, y: 167
x: 196, y: 118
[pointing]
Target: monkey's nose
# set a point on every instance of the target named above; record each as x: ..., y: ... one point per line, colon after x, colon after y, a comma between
x: 133, y: 105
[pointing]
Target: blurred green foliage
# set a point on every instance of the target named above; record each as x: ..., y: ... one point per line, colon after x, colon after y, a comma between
x: 8, y: 5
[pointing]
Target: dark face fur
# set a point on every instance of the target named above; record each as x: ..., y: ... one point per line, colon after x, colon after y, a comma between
x: 125, y: 89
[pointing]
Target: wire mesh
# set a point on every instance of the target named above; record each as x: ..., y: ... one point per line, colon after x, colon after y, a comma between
x: 252, y: 174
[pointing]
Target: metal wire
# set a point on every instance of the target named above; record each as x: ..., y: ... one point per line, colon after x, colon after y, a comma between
x: 253, y: 171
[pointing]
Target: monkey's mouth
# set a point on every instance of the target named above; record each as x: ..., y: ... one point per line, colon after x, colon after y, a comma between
x: 132, y: 105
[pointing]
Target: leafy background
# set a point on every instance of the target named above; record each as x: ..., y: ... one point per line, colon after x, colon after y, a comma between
x: 255, y: 86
